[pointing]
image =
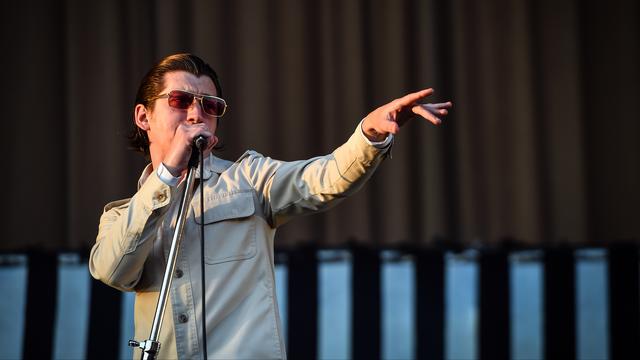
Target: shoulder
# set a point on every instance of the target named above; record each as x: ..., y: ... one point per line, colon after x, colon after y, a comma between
x: 249, y: 160
x: 253, y: 160
x: 118, y: 204
x: 255, y: 166
x: 250, y: 155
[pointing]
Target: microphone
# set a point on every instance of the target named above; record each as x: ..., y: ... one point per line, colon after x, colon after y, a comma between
x: 200, y: 142
x: 198, y: 145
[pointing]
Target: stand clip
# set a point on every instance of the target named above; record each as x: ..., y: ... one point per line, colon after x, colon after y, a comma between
x: 149, y: 348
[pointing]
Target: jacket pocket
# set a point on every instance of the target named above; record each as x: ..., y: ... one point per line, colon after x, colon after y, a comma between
x: 230, y: 228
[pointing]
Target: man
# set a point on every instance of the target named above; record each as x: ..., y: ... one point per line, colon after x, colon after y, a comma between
x: 244, y: 202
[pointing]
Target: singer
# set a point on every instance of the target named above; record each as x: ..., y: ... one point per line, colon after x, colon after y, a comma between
x: 246, y: 200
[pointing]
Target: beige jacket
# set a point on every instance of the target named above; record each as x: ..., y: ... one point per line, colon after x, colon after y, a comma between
x: 245, y: 201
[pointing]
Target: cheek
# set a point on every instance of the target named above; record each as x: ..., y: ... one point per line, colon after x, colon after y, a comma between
x: 163, y: 131
x: 212, y: 124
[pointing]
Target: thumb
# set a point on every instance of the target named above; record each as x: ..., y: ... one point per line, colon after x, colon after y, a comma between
x: 391, y: 126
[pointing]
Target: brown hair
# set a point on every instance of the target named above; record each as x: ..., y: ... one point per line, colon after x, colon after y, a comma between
x: 153, y: 82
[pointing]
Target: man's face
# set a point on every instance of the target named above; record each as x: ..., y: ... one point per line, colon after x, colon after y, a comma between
x: 163, y: 119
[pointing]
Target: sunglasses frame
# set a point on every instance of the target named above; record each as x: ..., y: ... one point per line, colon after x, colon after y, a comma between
x: 199, y: 97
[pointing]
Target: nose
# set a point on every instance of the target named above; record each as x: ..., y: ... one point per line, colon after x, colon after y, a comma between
x: 195, y: 113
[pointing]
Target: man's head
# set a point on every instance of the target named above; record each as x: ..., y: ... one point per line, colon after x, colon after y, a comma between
x: 155, y: 82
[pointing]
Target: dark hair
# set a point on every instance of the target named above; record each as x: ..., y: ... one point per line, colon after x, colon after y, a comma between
x: 153, y: 83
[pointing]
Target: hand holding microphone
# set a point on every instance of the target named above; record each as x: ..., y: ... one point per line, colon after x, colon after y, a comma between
x: 186, y: 144
x: 199, y: 145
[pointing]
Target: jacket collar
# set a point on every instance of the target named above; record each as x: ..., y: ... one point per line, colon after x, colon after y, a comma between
x: 216, y: 165
x: 212, y: 165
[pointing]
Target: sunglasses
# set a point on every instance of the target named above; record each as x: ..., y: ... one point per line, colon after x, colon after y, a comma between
x: 180, y: 99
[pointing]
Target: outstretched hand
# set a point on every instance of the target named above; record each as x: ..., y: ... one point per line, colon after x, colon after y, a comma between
x: 387, y: 119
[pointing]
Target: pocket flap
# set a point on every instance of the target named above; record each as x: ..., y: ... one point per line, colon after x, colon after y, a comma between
x: 224, y: 206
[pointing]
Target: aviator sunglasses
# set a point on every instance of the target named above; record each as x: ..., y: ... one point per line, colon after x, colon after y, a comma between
x: 180, y: 99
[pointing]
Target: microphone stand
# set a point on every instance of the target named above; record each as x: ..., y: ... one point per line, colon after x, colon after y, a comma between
x: 151, y: 346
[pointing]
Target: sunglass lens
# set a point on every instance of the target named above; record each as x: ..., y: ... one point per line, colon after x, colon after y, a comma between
x: 213, y: 107
x: 180, y: 100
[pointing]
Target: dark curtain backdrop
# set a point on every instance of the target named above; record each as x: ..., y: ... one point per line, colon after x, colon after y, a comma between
x: 540, y: 149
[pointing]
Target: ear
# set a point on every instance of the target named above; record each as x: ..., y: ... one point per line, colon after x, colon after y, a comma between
x: 140, y: 117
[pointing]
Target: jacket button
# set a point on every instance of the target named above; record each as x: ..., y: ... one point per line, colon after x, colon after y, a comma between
x: 183, y: 318
x: 179, y: 273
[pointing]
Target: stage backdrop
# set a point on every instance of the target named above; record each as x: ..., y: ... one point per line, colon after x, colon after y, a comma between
x: 541, y: 146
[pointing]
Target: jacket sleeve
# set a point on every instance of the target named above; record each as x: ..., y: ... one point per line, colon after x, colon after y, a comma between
x: 126, y: 234
x: 291, y: 189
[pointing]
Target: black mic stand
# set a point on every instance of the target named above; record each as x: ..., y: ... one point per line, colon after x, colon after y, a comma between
x: 151, y: 346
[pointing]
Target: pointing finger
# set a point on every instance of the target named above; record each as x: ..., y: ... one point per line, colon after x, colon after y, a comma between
x: 410, y: 99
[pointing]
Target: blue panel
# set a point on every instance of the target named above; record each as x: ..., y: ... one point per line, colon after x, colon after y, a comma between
x: 398, y: 308
x: 334, y: 305
x: 72, y: 308
x: 127, y: 328
x: 282, y: 274
x: 527, y: 303
x: 13, y: 287
x: 592, y: 335
x: 461, y: 303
